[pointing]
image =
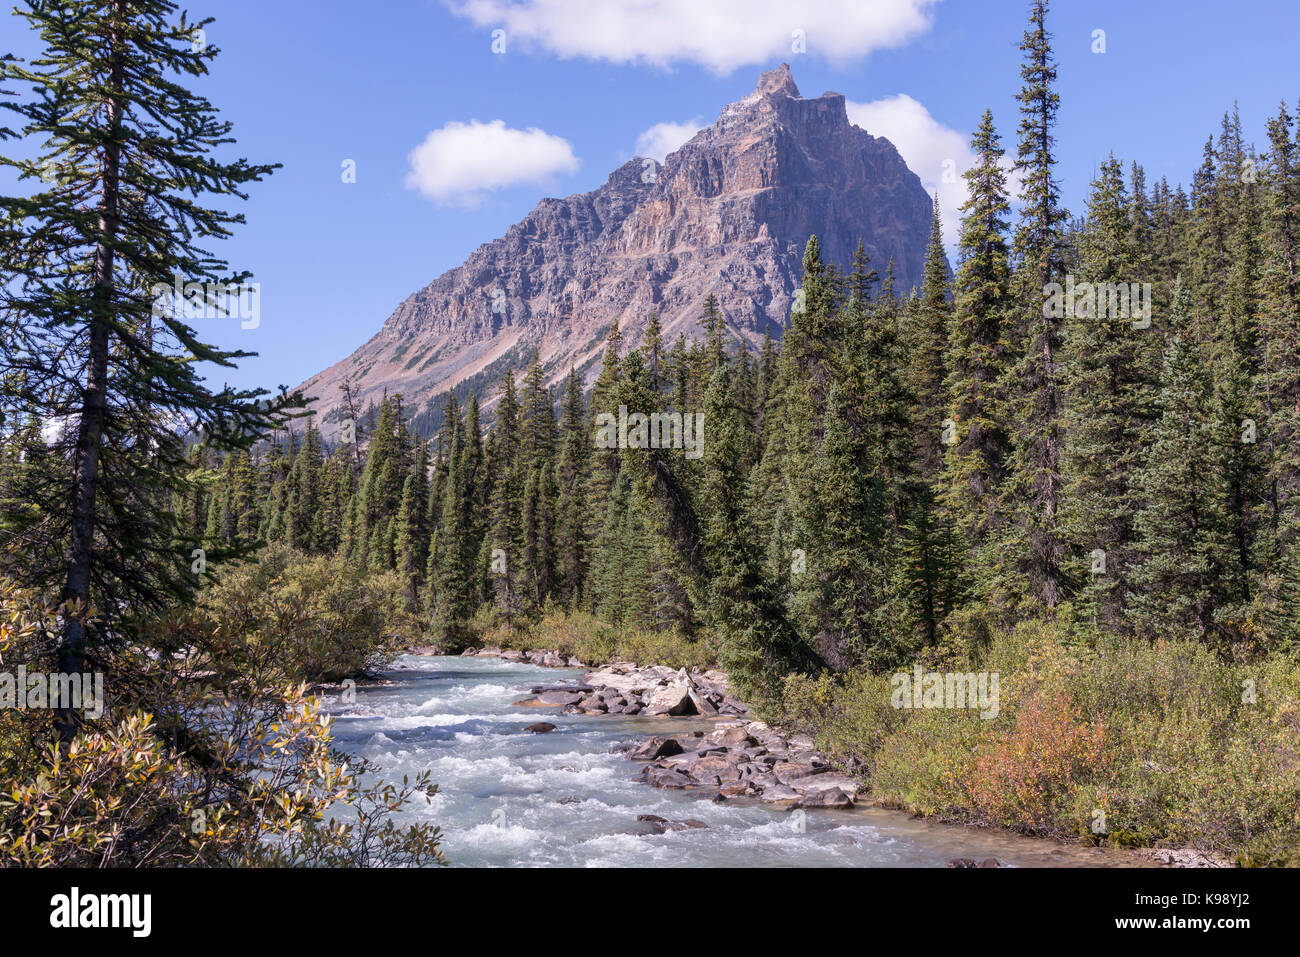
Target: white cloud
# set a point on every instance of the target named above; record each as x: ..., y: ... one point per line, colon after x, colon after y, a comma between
x: 719, y: 34
x: 462, y: 161
x: 936, y: 153
x: 662, y: 138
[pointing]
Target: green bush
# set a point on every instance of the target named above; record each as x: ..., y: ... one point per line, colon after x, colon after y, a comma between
x: 1108, y: 741
x: 328, y: 619
x: 593, y: 642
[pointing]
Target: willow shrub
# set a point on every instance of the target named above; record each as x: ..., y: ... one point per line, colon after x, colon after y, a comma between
x: 1121, y: 742
x: 327, y: 618
x: 593, y: 642
x: 202, y: 756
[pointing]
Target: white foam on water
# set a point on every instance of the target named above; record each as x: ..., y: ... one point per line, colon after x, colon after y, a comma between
x: 499, y: 835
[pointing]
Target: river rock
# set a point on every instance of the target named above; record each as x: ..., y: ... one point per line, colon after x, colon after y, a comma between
x: 736, y: 737
x: 703, y: 704
x: 673, y: 699
x: 656, y: 747
x: 823, y: 782
x: 788, y: 771
x: 830, y: 797
x: 559, y: 698
x: 717, y: 768
x: 666, y: 778
x: 541, y: 727
x: 661, y: 824
x: 611, y: 677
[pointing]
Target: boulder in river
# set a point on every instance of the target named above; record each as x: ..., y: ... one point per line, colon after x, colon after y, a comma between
x: 661, y: 824
x: 666, y: 778
x: 541, y: 727
x: 831, y: 797
x: 656, y: 747
x: 671, y: 699
x: 559, y: 698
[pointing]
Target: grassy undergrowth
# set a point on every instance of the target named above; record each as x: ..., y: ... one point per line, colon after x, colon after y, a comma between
x: 592, y: 641
x: 1104, y: 740
x: 1122, y: 743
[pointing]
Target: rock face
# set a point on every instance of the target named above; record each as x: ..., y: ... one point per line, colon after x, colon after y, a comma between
x: 728, y: 213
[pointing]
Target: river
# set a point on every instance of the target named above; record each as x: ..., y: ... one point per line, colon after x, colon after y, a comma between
x: 510, y: 798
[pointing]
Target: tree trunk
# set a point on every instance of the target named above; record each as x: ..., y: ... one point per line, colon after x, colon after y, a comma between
x: 90, y: 430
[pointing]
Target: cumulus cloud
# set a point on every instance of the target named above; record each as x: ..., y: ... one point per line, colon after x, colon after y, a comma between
x: 461, y: 162
x: 718, y: 34
x: 662, y: 138
x: 936, y: 153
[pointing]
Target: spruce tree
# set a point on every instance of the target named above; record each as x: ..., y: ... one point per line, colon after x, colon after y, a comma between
x: 978, y: 352
x: 1183, y: 548
x: 1112, y: 364
x: 128, y: 155
x: 1031, y: 555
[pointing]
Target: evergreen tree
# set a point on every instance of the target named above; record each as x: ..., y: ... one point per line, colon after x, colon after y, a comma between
x: 1113, y: 360
x: 128, y: 155
x: 1183, y: 548
x: 1032, y: 552
x: 570, y: 508
x: 978, y: 352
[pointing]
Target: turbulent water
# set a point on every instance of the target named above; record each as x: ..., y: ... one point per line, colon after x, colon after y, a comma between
x: 510, y: 798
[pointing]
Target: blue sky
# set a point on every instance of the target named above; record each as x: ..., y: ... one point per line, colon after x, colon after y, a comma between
x: 312, y: 84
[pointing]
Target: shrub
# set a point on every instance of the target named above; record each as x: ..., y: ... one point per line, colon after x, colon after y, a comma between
x: 1097, y: 737
x: 1025, y: 777
x: 234, y: 770
x: 327, y: 618
x: 592, y: 641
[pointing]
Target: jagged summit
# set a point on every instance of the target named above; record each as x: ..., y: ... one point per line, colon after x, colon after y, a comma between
x: 728, y: 213
x: 776, y: 82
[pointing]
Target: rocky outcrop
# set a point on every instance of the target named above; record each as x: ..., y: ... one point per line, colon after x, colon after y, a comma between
x: 746, y: 760
x: 728, y: 213
x: 655, y: 691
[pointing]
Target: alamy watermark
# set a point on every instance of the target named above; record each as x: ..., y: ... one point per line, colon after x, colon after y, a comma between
x: 947, y: 689
x: 40, y: 690
x: 658, y: 430
x: 209, y: 300
x: 1098, y: 300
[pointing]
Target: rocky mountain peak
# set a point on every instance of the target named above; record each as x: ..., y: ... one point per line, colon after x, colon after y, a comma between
x: 728, y: 213
x: 776, y: 82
